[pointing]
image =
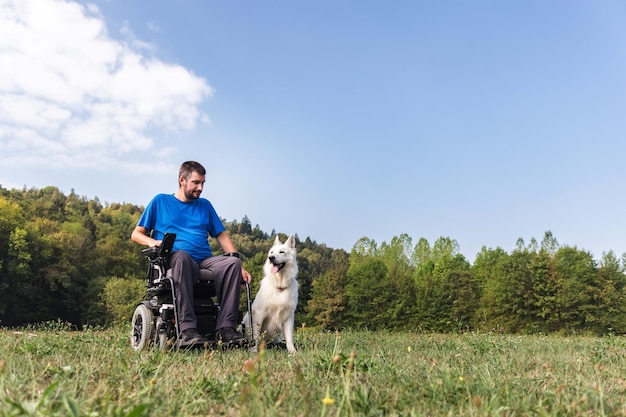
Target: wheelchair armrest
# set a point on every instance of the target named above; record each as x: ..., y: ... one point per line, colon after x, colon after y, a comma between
x: 164, y: 249
x: 149, y: 252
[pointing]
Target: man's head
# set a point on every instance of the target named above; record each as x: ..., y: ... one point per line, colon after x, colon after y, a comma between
x: 191, y: 177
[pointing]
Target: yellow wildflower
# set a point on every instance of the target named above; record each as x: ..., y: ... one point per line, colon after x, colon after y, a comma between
x: 328, y: 401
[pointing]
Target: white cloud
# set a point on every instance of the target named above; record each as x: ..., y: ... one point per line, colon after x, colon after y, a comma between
x: 136, y: 43
x: 69, y: 92
x: 154, y: 26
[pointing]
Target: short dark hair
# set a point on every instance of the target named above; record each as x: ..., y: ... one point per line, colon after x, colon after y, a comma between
x: 189, y: 167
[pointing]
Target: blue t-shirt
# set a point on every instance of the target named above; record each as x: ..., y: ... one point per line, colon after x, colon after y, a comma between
x: 193, y: 222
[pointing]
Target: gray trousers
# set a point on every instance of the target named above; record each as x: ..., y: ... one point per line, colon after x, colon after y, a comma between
x: 226, y: 273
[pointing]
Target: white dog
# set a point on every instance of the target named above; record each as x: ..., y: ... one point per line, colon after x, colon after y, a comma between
x: 275, y: 304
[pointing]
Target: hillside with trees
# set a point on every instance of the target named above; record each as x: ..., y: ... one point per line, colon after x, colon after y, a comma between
x: 66, y: 257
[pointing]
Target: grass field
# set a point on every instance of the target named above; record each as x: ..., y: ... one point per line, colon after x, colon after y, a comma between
x: 51, y: 371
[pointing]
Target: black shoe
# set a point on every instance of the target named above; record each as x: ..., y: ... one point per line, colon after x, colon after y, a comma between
x: 190, y: 337
x: 229, y: 335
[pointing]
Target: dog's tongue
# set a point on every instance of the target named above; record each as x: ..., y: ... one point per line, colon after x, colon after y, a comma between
x: 274, y: 269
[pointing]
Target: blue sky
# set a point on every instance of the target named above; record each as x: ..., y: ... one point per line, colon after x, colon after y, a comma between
x: 482, y: 121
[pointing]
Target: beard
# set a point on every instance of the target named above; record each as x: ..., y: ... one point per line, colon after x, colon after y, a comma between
x: 192, y: 195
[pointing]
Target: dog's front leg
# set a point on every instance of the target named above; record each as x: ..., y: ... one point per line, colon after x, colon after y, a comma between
x: 288, y: 332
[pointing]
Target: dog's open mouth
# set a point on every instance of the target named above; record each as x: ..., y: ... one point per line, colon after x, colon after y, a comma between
x: 277, y: 267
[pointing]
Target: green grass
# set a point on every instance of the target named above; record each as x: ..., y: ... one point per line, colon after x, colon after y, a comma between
x: 51, y: 371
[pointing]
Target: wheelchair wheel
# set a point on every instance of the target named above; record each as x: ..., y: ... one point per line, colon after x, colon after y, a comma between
x: 142, y: 327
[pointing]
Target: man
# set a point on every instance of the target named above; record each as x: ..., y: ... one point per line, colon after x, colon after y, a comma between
x: 194, y: 219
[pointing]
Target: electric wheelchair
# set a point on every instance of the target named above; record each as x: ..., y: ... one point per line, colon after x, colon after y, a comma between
x: 155, y: 320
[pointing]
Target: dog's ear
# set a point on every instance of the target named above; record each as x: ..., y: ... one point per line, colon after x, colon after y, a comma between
x: 291, y: 242
x: 277, y: 241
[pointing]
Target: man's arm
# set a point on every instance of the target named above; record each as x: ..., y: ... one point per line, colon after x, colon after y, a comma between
x: 227, y: 246
x: 140, y: 236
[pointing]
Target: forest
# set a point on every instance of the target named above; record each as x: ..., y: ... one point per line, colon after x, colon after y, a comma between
x: 68, y: 258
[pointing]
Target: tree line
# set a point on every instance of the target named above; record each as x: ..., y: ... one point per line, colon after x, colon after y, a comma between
x: 66, y: 257
x: 540, y: 287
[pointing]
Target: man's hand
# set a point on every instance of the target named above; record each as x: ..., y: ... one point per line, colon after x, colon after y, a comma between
x: 140, y: 236
x: 246, y: 275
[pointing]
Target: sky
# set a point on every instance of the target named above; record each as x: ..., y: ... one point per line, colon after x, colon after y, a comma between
x: 482, y: 121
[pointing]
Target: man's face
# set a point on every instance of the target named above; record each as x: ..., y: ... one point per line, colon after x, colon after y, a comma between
x: 192, y: 187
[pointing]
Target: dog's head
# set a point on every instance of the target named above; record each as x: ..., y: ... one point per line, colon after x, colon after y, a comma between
x: 282, y: 255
